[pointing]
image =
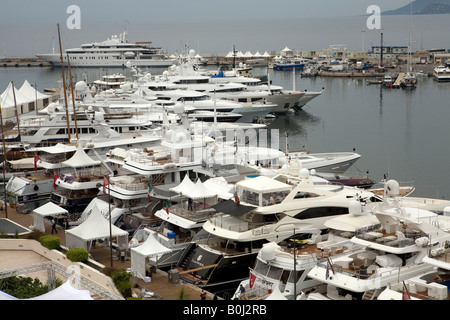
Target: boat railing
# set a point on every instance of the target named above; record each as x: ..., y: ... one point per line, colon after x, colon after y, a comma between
x: 193, y: 215
x: 238, y: 225
x: 131, y: 186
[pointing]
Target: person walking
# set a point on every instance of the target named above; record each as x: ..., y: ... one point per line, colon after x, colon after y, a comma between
x: 203, y: 295
x: 54, y: 226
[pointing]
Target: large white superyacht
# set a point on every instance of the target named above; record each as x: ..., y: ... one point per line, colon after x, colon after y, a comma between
x: 113, y: 52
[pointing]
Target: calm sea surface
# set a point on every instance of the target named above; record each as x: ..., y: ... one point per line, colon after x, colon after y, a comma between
x: 399, y: 132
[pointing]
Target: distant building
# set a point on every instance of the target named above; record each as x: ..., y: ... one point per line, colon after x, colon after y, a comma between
x: 389, y: 52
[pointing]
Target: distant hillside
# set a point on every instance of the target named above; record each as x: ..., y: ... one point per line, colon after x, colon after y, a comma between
x: 423, y: 7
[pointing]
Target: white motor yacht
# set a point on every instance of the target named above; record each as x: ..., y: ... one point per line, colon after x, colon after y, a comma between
x: 264, y: 210
x: 391, y: 254
x: 441, y: 74
x: 113, y: 52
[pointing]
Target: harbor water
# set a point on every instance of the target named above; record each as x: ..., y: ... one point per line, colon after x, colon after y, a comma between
x: 401, y: 133
x: 398, y: 132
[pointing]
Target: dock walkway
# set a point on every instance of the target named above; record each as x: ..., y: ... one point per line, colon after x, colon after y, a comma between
x: 159, y: 284
x: 399, y: 80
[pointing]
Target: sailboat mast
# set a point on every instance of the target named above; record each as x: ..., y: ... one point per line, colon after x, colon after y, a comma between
x: 64, y: 84
x: 17, y: 113
x: 4, y: 162
x: 73, y: 97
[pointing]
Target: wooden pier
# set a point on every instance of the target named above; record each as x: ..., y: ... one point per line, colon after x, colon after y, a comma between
x: 399, y: 80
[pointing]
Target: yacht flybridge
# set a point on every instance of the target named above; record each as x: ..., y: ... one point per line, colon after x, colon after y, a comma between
x: 113, y: 52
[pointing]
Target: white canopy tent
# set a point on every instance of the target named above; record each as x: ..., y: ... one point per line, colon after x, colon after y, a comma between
x: 64, y: 292
x: 96, y: 226
x: 102, y: 206
x: 25, y: 99
x: 30, y: 93
x: 150, y: 248
x: 81, y: 159
x: 196, y: 191
x: 276, y: 295
x: 47, y: 210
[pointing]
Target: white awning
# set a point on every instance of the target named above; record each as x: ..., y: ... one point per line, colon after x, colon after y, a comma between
x: 81, y: 159
x: 47, y: 210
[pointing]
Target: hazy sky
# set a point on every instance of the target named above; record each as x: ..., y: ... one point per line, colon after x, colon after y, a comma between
x: 114, y: 11
x: 28, y: 27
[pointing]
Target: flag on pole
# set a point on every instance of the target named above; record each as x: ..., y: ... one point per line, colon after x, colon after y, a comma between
x: 105, y: 183
x: 236, y: 198
x: 150, y: 188
x: 329, y: 266
x: 36, y: 159
x: 252, y: 279
x: 167, y: 207
x: 55, y: 177
x: 405, y: 295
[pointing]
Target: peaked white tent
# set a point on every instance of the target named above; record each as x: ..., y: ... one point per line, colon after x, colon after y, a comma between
x: 96, y: 226
x: 30, y: 93
x: 276, y: 295
x: 47, y: 210
x: 81, y: 159
x: 64, y: 292
x: 184, y: 186
x: 150, y: 248
x: 25, y: 98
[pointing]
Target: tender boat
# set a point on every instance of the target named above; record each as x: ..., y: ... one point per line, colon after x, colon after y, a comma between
x: 441, y: 74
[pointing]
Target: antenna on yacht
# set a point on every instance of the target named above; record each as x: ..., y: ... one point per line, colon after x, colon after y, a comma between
x: 293, y: 79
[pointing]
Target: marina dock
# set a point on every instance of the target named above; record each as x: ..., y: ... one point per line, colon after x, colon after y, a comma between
x: 23, y: 63
x: 399, y: 80
x: 158, y: 286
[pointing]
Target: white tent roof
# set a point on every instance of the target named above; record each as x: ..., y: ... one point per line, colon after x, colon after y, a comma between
x: 263, y: 184
x: 63, y: 292
x: 221, y: 186
x: 30, y: 93
x: 50, y: 209
x: 58, y: 148
x: 276, y: 295
x: 193, y: 190
x: 81, y: 159
x: 151, y: 247
x: 201, y: 191
x: 96, y: 226
x: 184, y: 186
x: 7, y: 97
x: 230, y: 55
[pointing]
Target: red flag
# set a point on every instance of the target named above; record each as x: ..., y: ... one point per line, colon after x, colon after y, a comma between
x: 36, y: 159
x: 105, y: 183
x: 236, y: 198
x: 252, y: 279
x: 55, y: 177
x: 167, y: 207
x: 405, y: 295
